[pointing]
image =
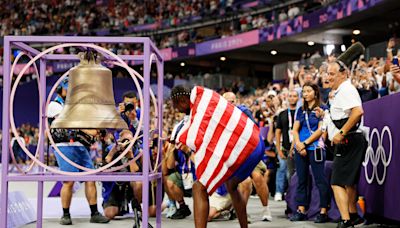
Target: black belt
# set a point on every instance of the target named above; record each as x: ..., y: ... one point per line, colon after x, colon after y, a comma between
x: 340, y: 123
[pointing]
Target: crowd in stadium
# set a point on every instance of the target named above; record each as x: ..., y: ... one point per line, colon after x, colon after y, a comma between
x: 76, y: 17
x: 85, y: 18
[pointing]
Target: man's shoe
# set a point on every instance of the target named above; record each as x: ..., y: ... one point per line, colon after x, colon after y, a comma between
x: 223, y: 216
x: 182, y: 213
x: 171, y: 211
x: 233, y: 215
x: 278, y: 196
x: 356, y: 220
x: 321, y: 218
x: 267, y: 217
x: 344, y: 224
x: 298, y: 216
x: 98, y: 218
x: 66, y: 220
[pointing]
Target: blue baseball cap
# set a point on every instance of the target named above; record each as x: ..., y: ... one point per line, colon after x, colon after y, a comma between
x: 64, y: 83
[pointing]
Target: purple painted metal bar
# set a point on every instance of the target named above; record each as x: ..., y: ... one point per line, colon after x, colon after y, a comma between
x: 42, y: 81
x: 145, y: 177
x: 6, y: 129
x: 146, y: 128
x: 160, y: 96
x: 75, y: 57
x: 80, y: 39
x: 154, y: 49
x: 26, y: 47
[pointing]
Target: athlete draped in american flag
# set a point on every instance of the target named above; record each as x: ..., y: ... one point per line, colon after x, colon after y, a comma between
x: 226, y: 143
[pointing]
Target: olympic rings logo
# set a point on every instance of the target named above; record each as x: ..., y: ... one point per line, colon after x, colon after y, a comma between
x: 378, y: 156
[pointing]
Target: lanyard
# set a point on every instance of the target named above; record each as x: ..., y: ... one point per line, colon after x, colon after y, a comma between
x: 309, y: 128
x: 59, y: 100
x: 189, y: 165
x: 290, y: 118
x: 315, y: 146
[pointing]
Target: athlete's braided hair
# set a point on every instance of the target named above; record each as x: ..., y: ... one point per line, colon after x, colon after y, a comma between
x: 179, y: 91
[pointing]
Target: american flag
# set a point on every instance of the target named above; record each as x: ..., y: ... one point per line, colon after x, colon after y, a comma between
x: 221, y: 135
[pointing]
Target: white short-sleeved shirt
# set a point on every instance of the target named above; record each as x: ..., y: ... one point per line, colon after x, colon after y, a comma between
x: 175, y: 129
x: 54, y: 109
x: 14, y: 139
x: 346, y: 97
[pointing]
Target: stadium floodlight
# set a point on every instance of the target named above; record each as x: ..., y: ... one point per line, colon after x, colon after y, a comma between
x: 329, y: 49
x: 356, y: 32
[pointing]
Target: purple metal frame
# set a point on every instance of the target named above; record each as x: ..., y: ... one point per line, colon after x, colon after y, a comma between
x: 22, y: 42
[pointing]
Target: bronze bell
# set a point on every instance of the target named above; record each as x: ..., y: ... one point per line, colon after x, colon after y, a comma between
x: 90, y: 97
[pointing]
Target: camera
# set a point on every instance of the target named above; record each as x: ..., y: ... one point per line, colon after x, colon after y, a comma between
x: 129, y: 107
x: 123, y: 142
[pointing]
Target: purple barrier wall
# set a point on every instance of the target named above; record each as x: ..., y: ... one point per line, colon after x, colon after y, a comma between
x: 379, y: 180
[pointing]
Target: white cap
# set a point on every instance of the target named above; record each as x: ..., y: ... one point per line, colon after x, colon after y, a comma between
x: 272, y: 92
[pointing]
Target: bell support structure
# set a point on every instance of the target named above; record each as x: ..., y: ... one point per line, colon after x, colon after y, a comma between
x: 23, y: 43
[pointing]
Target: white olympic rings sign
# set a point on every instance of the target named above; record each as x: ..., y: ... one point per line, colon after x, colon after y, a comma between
x: 377, y: 156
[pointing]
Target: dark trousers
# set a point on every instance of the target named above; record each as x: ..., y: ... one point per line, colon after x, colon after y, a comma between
x: 302, y: 170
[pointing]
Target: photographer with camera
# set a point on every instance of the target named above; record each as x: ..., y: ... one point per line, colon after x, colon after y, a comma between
x: 129, y: 109
x: 116, y: 195
x: 179, y: 174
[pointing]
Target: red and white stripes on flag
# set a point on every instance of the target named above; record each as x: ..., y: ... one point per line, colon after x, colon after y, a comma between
x: 221, y: 135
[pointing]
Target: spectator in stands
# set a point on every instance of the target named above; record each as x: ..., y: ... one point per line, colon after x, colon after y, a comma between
x: 381, y: 79
x: 365, y: 83
x: 324, y: 83
x: 293, y: 11
x: 395, y: 79
x: 282, y: 16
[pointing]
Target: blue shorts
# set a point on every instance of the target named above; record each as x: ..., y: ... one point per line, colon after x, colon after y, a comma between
x: 76, y: 153
x: 250, y: 163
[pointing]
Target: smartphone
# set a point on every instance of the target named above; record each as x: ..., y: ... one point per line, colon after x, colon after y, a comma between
x: 318, y: 155
x: 395, y: 61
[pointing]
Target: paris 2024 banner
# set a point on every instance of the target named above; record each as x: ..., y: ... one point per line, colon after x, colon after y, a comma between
x: 380, y: 173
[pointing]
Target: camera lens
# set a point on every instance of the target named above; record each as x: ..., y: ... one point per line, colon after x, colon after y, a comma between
x: 129, y: 107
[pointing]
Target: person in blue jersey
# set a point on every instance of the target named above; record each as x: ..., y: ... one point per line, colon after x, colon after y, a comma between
x: 310, y: 152
x: 259, y: 174
x: 74, y: 144
x: 117, y: 194
x: 180, y: 175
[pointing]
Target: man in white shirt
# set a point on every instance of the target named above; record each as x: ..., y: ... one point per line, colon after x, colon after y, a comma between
x: 75, y: 151
x: 346, y: 112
